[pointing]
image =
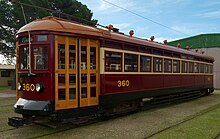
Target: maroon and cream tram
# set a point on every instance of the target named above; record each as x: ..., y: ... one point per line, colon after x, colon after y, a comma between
x: 66, y: 69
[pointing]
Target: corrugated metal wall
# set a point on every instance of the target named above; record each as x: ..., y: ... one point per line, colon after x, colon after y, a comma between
x: 200, y: 41
x: 210, y: 43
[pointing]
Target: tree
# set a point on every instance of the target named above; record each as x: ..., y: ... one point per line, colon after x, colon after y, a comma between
x: 12, y: 18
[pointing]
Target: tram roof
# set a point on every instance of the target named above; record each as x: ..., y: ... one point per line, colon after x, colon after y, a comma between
x: 62, y: 25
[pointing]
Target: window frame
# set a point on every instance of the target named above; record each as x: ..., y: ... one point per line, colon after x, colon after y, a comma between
x: 120, y: 64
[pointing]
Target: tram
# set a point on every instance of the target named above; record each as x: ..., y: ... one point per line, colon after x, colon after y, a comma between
x: 67, y: 70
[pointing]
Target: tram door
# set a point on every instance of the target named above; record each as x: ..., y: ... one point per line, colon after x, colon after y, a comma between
x: 76, y: 75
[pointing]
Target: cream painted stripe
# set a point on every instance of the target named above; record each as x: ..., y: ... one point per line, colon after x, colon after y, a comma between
x: 154, y: 73
x: 144, y: 54
x: 102, y: 61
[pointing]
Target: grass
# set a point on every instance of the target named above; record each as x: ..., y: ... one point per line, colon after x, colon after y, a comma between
x: 5, y: 87
x: 204, y: 127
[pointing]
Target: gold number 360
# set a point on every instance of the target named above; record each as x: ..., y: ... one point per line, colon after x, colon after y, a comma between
x: 123, y: 83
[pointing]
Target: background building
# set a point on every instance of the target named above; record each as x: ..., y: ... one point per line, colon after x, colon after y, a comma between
x: 7, y: 75
x: 210, y: 44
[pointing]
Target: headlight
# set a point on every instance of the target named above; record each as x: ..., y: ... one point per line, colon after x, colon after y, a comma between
x: 39, y: 87
x: 19, y: 86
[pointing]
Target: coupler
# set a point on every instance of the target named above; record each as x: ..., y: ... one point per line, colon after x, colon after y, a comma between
x: 18, y: 121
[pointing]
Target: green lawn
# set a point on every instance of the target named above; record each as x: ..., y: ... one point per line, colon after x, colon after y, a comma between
x: 5, y: 87
x: 203, y: 127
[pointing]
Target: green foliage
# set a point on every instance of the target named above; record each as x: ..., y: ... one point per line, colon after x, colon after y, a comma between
x: 11, y: 18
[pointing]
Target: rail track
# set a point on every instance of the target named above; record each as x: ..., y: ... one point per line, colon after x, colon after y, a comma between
x: 154, y: 103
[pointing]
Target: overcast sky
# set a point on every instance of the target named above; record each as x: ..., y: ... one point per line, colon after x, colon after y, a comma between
x: 190, y: 17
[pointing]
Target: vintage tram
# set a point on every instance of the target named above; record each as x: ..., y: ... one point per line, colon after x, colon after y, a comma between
x: 67, y: 70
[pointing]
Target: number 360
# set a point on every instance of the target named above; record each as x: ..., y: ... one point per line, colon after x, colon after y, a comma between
x: 123, y: 83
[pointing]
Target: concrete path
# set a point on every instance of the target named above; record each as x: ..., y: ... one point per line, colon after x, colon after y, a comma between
x: 4, y: 95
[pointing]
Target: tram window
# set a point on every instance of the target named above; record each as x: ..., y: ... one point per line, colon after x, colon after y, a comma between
x: 25, y: 39
x: 84, y: 92
x: 24, y: 58
x: 130, y: 47
x: 167, y: 65
x: 72, y: 57
x: 191, y: 67
x: 184, y: 67
x: 201, y: 67
x: 157, y: 52
x: 61, y: 56
x: 196, y: 67
x: 158, y: 64
x: 93, y: 58
x: 210, y: 69
x: 93, y: 91
x: 61, y: 79
x: 41, y: 37
x: 145, y: 63
x: 72, y: 93
x: 92, y: 78
x: 84, y: 78
x: 206, y: 68
x: 112, y: 44
x: 113, y: 61
x: 84, y: 57
x: 176, y: 66
x: 131, y: 62
x: 72, y: 79
x: 40, y: 58
x: 145, y: 49
x: 61, y: 94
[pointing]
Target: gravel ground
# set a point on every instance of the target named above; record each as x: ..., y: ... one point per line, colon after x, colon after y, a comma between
x: 7, y: 93
x: 133, y: 126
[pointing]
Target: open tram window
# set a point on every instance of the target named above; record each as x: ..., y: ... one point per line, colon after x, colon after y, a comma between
x: 131, y: 62
x: 40, y: 58
x: 184, y: 66
x: 61, y: 56
x: 72, y: 57
x: 191, y: 67
x: 201, y: 68
x: 113, y: 61
x: 157, y: 64
x: 176, y: 66
x: 145, y: 63
x: 92, y: 58
x: 24, y: 58
x: 167, y: 65
x: 196, y: 67
x: 83, y: 57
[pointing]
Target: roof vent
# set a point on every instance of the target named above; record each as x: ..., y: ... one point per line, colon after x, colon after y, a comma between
x: 131, y: 33
x: 165, y: 42
x: 152, y: 38
x: 179, y: 45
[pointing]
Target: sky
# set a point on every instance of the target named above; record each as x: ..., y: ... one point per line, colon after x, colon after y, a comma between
x: 186, y: 17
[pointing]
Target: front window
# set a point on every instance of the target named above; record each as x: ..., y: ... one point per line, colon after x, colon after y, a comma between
x: 40, y: 58
x: 24, y: 58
